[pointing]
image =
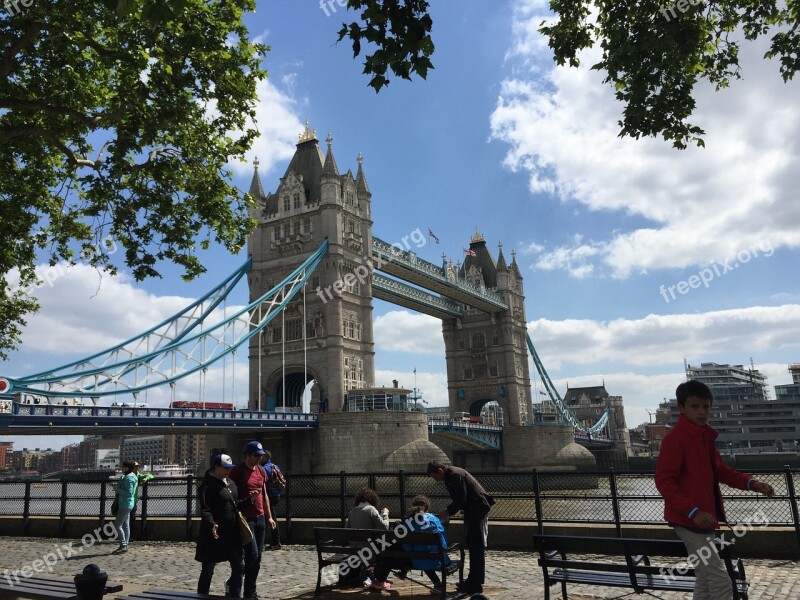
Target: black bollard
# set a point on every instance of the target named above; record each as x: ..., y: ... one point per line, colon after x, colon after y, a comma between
x: 91, y: 584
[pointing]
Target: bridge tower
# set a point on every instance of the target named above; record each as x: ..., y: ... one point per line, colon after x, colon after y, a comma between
x: 486, y: 355
x: 313, y: 201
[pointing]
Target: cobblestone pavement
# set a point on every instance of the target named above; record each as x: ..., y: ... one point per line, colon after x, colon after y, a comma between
x: 291, y: 572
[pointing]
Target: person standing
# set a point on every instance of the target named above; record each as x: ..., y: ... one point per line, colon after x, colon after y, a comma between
x: 141, y: 481
x: 467, y: 495
x: 126, y: 498
x: 251, y: 479
x: 688, y: 473
x: 275, y: 489
x: 219, y: 539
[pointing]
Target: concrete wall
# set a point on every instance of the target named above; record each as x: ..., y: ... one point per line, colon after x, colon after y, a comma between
x: 358, y: 441
x: 526, y: 448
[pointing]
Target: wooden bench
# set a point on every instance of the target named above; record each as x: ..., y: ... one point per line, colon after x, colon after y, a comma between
x: 44, y: 587
x: 632, y: 569
x: 338, y: 546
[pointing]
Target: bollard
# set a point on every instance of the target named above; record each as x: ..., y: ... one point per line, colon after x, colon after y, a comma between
x: 91, y: 584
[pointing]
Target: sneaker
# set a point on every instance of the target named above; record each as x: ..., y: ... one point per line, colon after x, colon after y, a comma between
x: 380, y: 585
x: 468, y: 588
x: 121, y: 550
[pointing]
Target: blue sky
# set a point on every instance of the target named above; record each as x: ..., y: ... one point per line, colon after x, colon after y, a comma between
x: 500, y: 139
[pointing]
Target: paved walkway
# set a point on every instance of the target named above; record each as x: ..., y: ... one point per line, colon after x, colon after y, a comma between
x: 291, y: 573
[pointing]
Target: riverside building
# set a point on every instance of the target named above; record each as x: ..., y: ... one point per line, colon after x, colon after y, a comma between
x: 743, y: 413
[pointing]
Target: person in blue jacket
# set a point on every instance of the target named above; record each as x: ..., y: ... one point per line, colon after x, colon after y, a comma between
x: 420, y: 519
x: 126, y: 498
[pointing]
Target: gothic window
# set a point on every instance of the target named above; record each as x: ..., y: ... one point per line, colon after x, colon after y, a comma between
x: 480, y: 371
x: 294, y: 330
x: 296, y: 228
x: 286, y: 204
x: 276, y: 335
x: 495, y: 340
x: 460, y: 343
x: 493, y: 371
x: 348, y: 195
x: 351, y: 328
x: 353, y: 372
x: 307, y: 226
x: 282, y: 231
x: 478, y: 341
x: 311, y: 331
x: 467, y: 373
x: 276, y: 234
x: 297, y: 200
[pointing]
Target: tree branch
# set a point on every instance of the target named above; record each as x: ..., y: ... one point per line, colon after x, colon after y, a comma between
x: 19, y: 104
x: 6, y: 64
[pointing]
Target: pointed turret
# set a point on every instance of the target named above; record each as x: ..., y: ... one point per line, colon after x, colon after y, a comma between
x: 515, y: 266
x: 256, y: 189
x: 330, y: 170
x: 361, y: 181
x: 501, y: 261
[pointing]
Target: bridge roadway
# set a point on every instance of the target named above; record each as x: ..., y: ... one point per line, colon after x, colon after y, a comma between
x: 44, y: 419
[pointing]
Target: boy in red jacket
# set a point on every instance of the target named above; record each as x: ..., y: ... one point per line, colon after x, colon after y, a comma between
x: 688, y: 474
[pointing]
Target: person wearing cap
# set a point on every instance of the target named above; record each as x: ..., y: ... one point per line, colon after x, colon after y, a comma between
x: 141, y: 481
x: 251, y: 478
x: 219, y: 539
x: 126, y: 498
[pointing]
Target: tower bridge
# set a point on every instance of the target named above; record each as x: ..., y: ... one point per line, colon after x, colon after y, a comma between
x: 312, y: 277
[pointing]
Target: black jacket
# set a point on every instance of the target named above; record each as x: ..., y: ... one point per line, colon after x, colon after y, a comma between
x: 466, y: 494
x: 218, y: 505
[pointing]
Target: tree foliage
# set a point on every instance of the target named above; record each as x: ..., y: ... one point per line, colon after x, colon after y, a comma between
x: 117, y: 121
x: 401, y: 31
x: 653, y: 52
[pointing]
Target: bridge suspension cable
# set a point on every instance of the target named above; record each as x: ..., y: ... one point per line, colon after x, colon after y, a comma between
x: 566, y: 413
x: 177, y: 351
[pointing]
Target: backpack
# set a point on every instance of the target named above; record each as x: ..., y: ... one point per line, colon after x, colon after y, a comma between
x: 276, y: 482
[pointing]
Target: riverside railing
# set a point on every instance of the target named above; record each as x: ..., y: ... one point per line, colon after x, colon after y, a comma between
x: 611, y: 498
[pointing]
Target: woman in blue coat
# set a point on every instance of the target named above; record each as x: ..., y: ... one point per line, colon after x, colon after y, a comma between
x: 126, y: 498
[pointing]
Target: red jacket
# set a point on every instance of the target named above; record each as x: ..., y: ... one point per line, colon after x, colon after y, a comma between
x: 689, y: 471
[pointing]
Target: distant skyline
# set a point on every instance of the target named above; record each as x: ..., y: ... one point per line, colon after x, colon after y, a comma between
x: 635, y: 256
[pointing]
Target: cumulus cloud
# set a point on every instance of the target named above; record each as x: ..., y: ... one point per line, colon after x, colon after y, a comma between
x: 665, y: 339
x: 432, y: 386
x: 699, y: 204
x: 278, y: 125
x: 403, y: 331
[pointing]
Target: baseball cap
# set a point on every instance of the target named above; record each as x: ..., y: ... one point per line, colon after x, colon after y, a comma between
x: 254, y: 448
x: 222, y: 460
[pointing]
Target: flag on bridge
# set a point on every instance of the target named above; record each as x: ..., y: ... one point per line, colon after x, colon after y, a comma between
x: 470, y: 252
x: 433, y: 235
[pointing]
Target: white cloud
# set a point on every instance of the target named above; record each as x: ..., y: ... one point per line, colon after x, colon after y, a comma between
x: 278, y: 126
x: 403, y: 331
x: 666, y: 339
x: 703, y: 204
x: 432, y: 386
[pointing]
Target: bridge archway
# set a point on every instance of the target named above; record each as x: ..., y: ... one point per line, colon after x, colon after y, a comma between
x: 494, y: 409
x: 297, y: 383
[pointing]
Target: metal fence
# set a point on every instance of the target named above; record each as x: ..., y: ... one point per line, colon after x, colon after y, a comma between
x: 610, y: 498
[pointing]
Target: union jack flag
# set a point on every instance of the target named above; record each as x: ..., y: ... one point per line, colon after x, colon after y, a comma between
x: 470, y: 252
x: 433, y: 235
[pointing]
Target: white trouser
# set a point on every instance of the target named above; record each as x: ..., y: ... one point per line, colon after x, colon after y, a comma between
x: 712, y: 580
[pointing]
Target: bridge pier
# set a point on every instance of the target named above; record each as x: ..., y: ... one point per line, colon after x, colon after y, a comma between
x: 546, y: 446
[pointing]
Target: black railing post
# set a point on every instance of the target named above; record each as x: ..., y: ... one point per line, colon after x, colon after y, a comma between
x: 612, y: 481
x: 189, y: 498
x: 537, y: 502
x: 401, y: 486
x: 143, y: 516
x: 103, y: 503
x: 787, y: 471
x: 342, y: 509
x: 372, y: 482
x: 287, y: 506
x: 26, y: 508
x: 62, y: 513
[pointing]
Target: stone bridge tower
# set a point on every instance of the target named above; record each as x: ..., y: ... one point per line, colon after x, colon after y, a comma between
x: 487, y: 358
x: 313, y: 201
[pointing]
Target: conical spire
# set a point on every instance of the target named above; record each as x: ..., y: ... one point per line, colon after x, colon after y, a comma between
x: 330, y: 169
x: 256, y: 189
x: 361, y: 181
x: 501, y: 261
x: 514, y: 265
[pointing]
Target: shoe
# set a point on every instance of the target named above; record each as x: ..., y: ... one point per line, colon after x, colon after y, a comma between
x: 469, y: 588
x: 120, y: 550
x: 380, y: 585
